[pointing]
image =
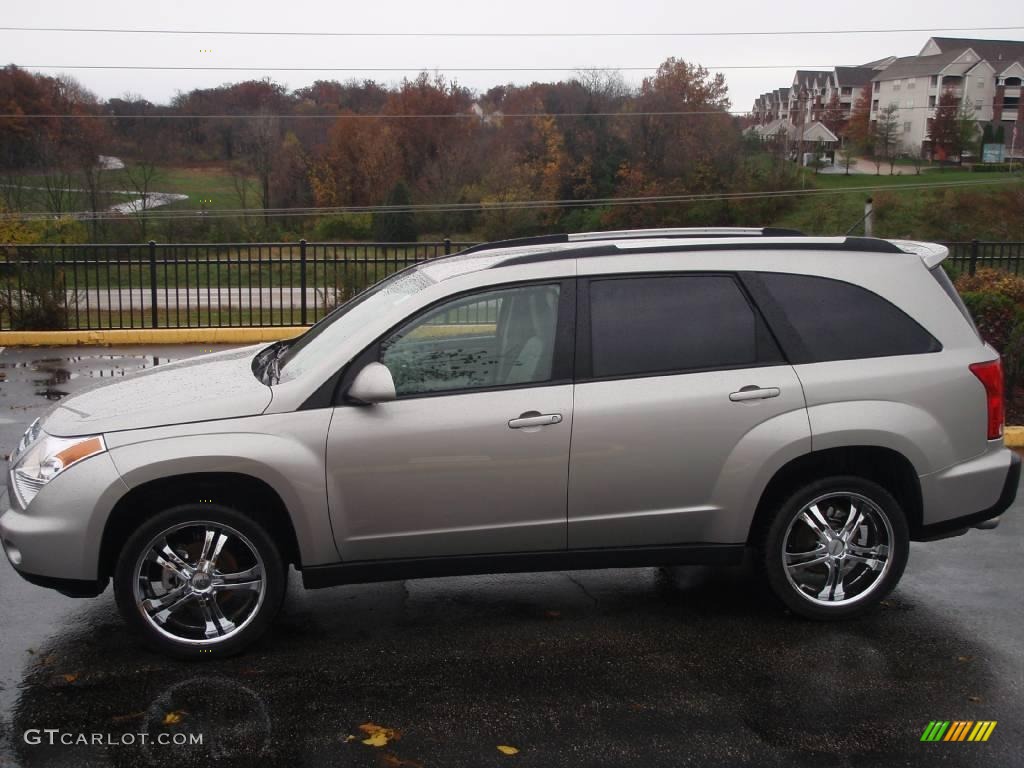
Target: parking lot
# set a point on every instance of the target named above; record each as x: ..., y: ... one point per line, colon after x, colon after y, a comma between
x: 639, y: 667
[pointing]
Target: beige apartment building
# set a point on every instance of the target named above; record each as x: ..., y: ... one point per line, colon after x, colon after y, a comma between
x: 984, y: 74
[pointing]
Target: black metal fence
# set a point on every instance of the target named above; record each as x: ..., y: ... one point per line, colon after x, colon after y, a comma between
x: 974, y: 254
x: 157, y: 285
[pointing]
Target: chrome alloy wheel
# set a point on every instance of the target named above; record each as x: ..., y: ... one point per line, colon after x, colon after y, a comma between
x: 199, y: 582
x: 836, y: 550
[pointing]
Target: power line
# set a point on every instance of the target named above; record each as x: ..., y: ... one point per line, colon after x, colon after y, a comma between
x: 408, y: 69
x: 493, y: 34
x: 505, y: 205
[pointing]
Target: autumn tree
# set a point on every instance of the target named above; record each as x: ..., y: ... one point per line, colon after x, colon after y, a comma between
x: 833, y: 117
x: 858, y: 128
x: 953, y: 129
x: 887, y: 135
x: 398, y: 224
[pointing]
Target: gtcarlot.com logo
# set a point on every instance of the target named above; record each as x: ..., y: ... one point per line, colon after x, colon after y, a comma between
x: 958, y: 730
x: 55, y: 736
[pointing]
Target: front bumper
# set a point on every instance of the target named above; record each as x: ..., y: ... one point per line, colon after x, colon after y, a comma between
x: 985, y: 519
x: 56, y: 541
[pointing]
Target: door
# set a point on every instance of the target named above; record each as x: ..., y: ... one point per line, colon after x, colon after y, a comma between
x: 472, y: 457
x: 675, y: 371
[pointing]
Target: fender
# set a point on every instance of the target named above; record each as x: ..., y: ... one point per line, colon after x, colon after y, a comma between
x: 286, y: 451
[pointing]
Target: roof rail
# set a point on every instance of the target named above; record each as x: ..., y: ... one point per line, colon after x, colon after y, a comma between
x: 637, y: 234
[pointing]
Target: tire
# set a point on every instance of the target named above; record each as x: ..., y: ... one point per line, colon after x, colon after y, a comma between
x: 842, y: 572
x: 185, y: 605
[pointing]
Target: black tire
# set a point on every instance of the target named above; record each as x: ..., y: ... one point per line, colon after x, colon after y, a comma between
x: 246, y: 596
x: 871, y: 578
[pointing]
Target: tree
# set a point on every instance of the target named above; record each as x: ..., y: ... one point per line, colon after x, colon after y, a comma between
x: 953, y: 128
x: 833, y: 117
x: 887, y: 135
x: 858, y: 128
x: 966, y: 129
x: 396, y: 226
x: 846, y: 157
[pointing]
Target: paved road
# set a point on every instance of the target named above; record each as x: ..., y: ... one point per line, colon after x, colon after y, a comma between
x: 637, y: 667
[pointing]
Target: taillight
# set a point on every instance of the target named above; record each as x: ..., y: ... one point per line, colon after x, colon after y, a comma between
x: 991, y: 377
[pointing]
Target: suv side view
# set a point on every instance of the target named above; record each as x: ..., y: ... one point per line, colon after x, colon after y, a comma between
x: 646, y: 397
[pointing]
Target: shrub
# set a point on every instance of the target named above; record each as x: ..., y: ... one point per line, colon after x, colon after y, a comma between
x: 346, y: 227
x: 987, y: 280
x: 33, y: 295
x: 994, y: 314
x: 396, y: 226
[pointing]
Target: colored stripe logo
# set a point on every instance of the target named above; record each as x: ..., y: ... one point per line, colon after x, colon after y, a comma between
x: 958, y: 730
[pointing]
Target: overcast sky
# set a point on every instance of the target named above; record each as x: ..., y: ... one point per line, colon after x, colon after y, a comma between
x: 562, y: 55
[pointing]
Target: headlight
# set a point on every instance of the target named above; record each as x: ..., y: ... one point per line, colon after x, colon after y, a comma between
x: 41, y: 457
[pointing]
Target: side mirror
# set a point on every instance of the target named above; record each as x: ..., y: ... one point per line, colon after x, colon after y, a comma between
x: 373, y: 384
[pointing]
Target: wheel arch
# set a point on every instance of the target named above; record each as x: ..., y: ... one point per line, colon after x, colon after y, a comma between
x: 885, y: 466
x: 248, y: 494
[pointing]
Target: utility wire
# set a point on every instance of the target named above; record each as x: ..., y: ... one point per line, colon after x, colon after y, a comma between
x: 500, y: 205
x: 823, y: 67
x: 405, y: 116
x: 493, y: 34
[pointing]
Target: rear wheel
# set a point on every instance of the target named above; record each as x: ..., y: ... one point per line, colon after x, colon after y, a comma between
x: 835, y: 548
x: 199, y: 581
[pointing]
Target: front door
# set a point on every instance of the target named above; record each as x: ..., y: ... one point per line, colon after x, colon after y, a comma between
x: 472, y: 458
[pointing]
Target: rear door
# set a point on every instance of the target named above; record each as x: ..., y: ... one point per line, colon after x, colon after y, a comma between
x: 674, y: 371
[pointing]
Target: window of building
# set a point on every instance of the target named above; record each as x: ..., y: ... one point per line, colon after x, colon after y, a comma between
x: 878, y: 86
x: 897, y: 84
x: 931, y: 101
x: 874, y: 105
x: 649, y: 325
x: 819, y: 319
x: 978, y: 104
x: 847, y: 91
x: 906, y: 127
x: 935, y: 81
x: 911, y: 83
x: 908, y: 104
x: 1012, y: 82
x: 981, y: 82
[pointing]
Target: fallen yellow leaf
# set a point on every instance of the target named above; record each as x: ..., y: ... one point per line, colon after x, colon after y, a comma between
x: 70, y: 678
x: 505, y: 750
x: 173, y: 718
x: 378, y: 734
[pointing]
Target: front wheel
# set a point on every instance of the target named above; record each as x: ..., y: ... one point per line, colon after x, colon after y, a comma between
x: 200, y: 581
x: 835, y: 548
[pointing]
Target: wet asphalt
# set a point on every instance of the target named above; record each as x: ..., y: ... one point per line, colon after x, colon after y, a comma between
x: 632, y: 667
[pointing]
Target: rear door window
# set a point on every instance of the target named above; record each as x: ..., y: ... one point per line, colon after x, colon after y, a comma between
x: 673, y: 323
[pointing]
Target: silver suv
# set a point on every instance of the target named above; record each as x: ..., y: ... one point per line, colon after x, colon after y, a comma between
x: 585, y: 401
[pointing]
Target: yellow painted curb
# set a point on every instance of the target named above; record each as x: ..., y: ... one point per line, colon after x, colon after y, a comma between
x: 147, y: 336
x: 1014, y: 437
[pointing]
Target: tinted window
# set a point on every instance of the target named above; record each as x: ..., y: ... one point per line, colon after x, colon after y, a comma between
x: 498, y: 338
x: 671, y: 323
x: 947, y: 285
x: 826, y: 319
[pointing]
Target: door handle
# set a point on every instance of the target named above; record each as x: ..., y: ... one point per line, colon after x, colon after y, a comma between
x: 535, y: 419
x: 754, y: 392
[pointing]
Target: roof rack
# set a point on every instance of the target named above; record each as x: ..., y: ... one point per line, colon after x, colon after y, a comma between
x: 637, y: 234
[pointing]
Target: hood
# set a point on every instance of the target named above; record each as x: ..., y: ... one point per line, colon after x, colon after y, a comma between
x: 217, y: 386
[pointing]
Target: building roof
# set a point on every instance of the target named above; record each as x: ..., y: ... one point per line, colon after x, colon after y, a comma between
x: 855, y: 77
x: 917, y: 66
x: 992, y: 50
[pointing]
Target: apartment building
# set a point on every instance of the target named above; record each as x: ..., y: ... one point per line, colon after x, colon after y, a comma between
x: 985, y: 74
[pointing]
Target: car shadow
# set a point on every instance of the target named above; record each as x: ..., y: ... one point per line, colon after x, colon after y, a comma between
x: 683, y: 666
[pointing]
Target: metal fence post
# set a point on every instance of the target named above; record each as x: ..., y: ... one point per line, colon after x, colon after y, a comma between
x: 302, y: 279
x: 447, y: 246
x: 974, y: 257
x: 152, y: 283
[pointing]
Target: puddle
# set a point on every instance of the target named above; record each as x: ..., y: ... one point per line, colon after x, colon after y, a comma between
x: 46, y: 374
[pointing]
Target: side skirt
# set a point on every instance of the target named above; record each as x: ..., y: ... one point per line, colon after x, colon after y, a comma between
x: 363, y: 571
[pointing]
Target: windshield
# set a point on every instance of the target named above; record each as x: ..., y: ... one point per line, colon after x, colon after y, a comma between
x: 332, y: 330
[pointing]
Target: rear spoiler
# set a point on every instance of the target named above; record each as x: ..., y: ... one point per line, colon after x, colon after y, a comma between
x: 932, y: 254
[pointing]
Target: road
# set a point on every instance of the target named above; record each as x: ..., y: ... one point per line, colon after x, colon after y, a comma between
x: 633, y: 667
